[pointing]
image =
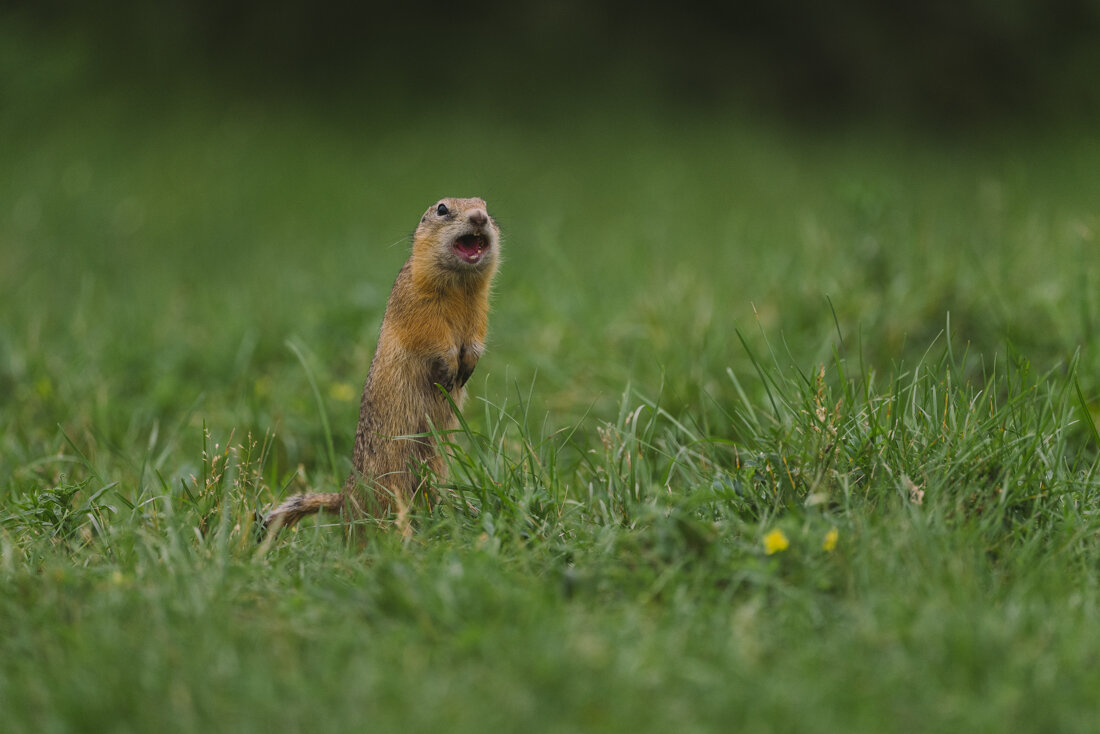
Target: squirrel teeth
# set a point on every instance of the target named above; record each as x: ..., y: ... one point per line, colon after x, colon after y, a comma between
x: 470, y: 247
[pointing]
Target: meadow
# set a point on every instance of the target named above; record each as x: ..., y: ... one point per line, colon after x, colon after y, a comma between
x: 778, y: 429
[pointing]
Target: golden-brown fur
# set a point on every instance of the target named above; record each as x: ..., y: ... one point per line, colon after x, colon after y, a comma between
x: 432, y: 335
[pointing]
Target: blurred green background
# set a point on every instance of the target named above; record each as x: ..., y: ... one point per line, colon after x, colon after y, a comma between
x: 188, y: 185
x: 945, y: 63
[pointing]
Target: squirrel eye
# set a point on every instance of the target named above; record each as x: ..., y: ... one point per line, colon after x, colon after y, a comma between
x: 442, y: 210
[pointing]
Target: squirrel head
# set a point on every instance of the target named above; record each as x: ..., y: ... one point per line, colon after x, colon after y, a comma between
x: 457, y: 236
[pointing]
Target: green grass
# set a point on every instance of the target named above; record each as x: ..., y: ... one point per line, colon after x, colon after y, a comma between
x: 703, y: 331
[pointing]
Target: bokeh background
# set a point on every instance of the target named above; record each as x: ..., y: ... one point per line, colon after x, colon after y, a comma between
x: 941, y: 64
x: 187, y: 186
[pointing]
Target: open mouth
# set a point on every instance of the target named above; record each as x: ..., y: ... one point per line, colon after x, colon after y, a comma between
x: 470, y: 247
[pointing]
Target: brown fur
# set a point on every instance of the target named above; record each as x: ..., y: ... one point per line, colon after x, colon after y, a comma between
x: 432, y: 335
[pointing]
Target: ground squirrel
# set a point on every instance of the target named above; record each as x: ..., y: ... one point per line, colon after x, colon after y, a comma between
x: 432, y: 334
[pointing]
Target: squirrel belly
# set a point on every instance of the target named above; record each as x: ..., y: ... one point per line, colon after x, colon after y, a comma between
x: 432, y: 335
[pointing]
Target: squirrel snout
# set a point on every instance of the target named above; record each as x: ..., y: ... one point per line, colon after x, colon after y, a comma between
x: 478, y: 217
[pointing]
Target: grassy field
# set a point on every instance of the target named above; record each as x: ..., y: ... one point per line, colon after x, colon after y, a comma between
x: 776, y: 430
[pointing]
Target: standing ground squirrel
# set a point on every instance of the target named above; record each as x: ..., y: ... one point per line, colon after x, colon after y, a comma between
x: 432, y: 335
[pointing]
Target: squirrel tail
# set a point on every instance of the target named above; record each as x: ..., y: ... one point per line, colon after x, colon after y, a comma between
x: 298, y: 506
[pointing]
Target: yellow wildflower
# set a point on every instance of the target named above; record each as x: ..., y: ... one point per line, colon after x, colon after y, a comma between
x: 830, y: 540
x: 775, y: 541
